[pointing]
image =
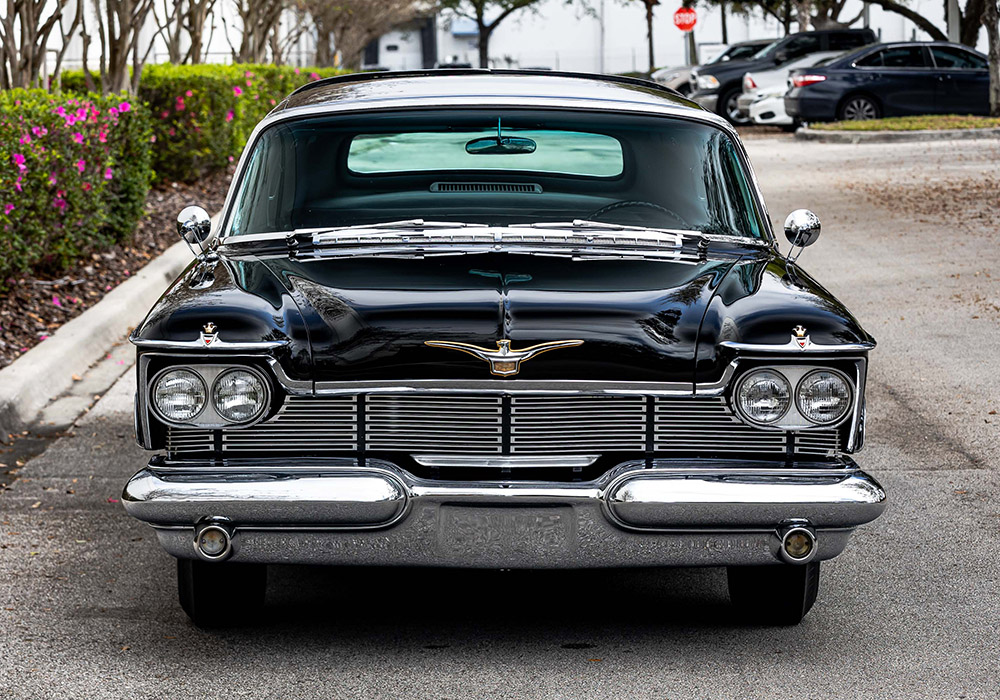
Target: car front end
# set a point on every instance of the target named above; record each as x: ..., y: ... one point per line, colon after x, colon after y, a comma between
x: 558, y: 365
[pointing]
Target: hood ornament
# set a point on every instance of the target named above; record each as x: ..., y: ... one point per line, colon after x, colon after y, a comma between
x: 504, y: 362
x: 209, y: 333
x: 800, y: 338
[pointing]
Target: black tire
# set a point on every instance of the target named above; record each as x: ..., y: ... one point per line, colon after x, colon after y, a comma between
x: 216, y: 594
x: 858, y: 108
x: 726, y: 107
x: 779, y: 594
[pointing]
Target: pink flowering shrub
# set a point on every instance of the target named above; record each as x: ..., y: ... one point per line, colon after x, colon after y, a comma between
x: 56, y: 199
x: 203, y: 115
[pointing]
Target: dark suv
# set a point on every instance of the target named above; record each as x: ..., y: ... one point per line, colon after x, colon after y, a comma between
x: 717, y: 86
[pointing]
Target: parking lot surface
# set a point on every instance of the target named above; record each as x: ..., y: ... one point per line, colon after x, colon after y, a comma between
x: 88, y: 602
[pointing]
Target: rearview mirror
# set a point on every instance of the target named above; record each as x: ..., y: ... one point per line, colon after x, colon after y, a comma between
x: 194, y: 225
x: 802, y: 228
x: 491, y: 145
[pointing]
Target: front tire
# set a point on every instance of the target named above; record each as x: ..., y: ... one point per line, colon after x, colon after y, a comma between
x: 217, y: 594
x: 859, y: 108
x: 727, y: 107
x: 779, y: 594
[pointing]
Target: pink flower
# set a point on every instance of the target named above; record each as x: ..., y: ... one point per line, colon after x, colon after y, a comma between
x: 25, y: 140
x: 229, y: 116
x: 171, y: 132
x: 19, y: 162
x: 273, y: 102
x: 81, y: 113
x: 152, y: 139
x: 108, y: 174
x: 249, y: 83
x: 296, y: 71
x: 55, y: 300
x: 231, y: 159
x: 124, y: 107
x: 248, y: 74
x: 59, y: 203
x: 86, y: 187
x: 78, y: 137
x: 39, y: 131
x: 61, y: 111
x: 8, y: 208
x: 164, y: 115
x: 102, y: 137
x: 237, y: 90
x: 52, y: 179
x: 81, y: 165
x: 17, y: 184
x: 314, y: 76
x: 189, y: 93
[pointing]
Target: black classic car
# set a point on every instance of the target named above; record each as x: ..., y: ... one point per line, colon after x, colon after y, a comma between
x: 498, y: 319
x: 891, y: 80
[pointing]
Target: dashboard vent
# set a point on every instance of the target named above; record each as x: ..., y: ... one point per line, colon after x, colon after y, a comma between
x: 487, y: 187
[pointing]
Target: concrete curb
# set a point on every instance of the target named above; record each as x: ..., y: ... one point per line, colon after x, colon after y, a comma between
x: 46, y: 371
x: 807, y: 134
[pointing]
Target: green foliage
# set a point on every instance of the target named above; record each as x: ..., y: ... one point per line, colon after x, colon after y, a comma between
x: 74, y: 173
x: 202, y: 115
x: 934, y: 122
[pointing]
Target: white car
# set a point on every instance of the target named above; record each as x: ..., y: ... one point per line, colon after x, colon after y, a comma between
x: 763, y: 92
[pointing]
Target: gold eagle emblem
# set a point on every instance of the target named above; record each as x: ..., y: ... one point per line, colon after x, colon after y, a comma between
x: 504, y: 361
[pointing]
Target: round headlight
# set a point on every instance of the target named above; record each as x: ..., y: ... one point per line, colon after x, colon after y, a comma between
x: 823, y: 397
x: 179, y: 395
x: 239, y: 395
x: 763, y: 396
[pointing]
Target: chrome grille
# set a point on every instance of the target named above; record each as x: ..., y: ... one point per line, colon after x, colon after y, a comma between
x: 475, y: 424
x: 577, y: 424
x: 429, y: 423
x: 318, y: 424
x: 709, y: 425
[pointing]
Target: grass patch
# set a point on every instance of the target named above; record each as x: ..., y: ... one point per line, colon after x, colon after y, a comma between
x: 932, y: 122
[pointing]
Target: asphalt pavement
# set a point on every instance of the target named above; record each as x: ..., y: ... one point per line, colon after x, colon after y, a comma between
x: 88, y: 603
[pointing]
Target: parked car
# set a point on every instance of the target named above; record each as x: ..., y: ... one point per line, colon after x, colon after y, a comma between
x: 718, y: 87
x: 766, y: 89
x: 470, y: 320
x: 888, y: 80
x: 679, y: 77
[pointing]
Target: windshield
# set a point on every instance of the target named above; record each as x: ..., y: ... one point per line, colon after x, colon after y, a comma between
x: 498, y: 169
x: 766, y: 50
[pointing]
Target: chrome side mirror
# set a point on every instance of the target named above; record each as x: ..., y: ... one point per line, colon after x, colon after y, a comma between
x: 802, y: 229
x: 194, y: 225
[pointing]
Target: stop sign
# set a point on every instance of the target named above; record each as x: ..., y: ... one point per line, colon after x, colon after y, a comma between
x: 685, y: 18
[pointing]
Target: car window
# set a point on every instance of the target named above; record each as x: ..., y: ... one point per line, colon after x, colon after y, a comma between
x: 801, y: 45
x: 766, y: 50
x: 738, y: 53
x: 567, y: 152
x: 895, y: 57
x: 444, y: 165
x: 950, y: 57
x: 841, y: 41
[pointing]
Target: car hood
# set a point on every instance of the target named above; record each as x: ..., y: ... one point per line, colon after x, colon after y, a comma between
x: 370, y: 318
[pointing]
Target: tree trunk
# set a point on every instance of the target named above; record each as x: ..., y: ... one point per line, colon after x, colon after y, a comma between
x: 915, y: 17
x: 725, y: 29
x: 324, y: 55
x: 787, y: 22
x: 804, y: 14
x: 991, y: 19
x: 649, y: 33
x: 970, y: 21
x: 484, y: 45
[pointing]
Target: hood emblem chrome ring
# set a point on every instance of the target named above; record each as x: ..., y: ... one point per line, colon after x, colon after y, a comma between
x: 504, y: 361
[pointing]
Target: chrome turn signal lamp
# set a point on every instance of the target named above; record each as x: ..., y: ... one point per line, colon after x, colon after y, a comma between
x: 798, y: 543
x: 821, y: 397
x: 238, y: 396
x: 213, y: 541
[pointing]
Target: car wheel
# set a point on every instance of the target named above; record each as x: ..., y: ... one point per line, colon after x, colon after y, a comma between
x: 779, y: 594
x: 728, y: 109
x: 215, y: 594
x: 859, y: 107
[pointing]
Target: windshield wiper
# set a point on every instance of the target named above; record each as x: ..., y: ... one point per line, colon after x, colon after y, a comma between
x: 584, y: 224
x: 407, y: 224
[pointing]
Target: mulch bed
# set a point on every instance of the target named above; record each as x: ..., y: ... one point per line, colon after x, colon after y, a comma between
x: 34, y: 306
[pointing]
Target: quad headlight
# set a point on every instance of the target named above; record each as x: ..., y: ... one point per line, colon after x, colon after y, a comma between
x: 823, y: 397
x: 179, y: 395
x: 763, y: 396
x: 239, y: 395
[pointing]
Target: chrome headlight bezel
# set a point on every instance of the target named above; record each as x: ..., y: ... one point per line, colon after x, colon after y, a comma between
x: 751, y: 374
x: 209, y: 417
x: 793, y: 417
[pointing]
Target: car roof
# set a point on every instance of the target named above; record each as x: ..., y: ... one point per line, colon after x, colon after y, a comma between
x: 480, y: 85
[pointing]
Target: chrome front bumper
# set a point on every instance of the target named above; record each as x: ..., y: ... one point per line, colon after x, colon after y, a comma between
x: 639, y: 514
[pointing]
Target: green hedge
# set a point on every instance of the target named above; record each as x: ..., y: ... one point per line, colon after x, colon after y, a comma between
x: 74, y: 173
x: 203, y: 115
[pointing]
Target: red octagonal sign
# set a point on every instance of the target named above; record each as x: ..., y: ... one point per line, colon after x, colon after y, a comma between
x: 685, y: 19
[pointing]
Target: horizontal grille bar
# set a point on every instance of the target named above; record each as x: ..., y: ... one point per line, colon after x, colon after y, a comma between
x: 475, y: 424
